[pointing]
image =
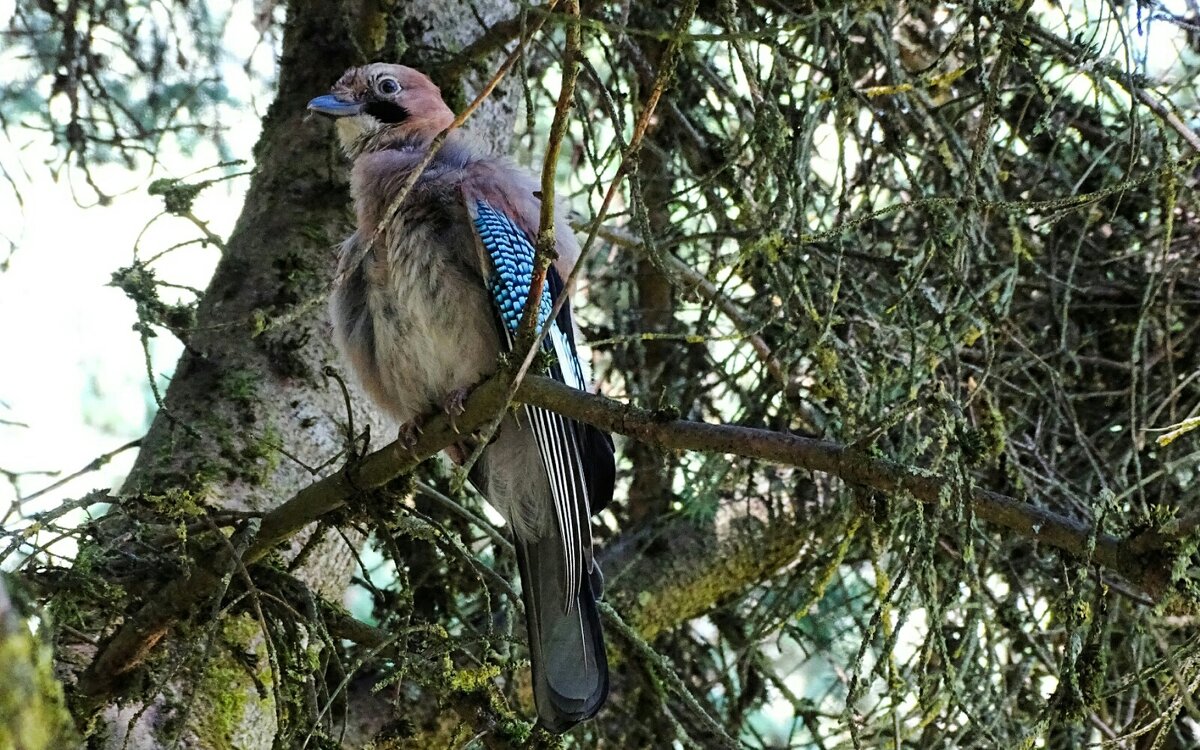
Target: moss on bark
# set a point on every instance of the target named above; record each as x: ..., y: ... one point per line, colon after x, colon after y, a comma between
x: 33, y: 715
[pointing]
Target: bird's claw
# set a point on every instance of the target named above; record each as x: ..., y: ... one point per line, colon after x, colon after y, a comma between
x: 455, y: 405
x: 409, y: 433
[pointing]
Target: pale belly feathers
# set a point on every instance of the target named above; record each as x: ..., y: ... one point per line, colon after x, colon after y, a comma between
x: 419, y: 326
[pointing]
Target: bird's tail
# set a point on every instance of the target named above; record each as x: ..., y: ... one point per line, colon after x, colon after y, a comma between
x: 570, y: 670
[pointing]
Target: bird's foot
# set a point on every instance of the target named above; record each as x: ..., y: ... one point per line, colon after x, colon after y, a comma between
x: 409, y: 433
x: 455, y: 404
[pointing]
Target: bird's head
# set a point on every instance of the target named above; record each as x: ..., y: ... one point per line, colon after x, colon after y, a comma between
x: 379, y: 104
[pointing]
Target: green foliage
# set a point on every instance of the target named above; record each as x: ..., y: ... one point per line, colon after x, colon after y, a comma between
x: 111, y: 80
x: 942, y: 227
x: 958, y: 236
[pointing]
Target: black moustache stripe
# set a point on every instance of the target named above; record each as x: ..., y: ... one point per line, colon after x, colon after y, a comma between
x: 388, y: 112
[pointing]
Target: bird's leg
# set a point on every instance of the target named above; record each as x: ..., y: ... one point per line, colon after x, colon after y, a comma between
x: 455, y: 404
x: 409, y: 432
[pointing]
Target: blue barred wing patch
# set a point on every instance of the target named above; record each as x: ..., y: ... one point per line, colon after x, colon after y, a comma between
x: 565, y: 447
x: 512, y: 254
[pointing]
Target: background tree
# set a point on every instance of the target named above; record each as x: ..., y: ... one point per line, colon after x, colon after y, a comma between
x: 896, y: 306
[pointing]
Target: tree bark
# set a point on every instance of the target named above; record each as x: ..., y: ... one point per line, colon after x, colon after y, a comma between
x: 249, y: 411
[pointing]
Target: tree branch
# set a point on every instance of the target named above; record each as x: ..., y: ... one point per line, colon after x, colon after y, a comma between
x: 133, y: 641
x: 1146, y: 567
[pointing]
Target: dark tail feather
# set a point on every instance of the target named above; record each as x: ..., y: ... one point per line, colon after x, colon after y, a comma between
x: 570, y: 668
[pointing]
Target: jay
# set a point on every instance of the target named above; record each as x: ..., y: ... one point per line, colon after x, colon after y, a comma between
x: 424, y: 312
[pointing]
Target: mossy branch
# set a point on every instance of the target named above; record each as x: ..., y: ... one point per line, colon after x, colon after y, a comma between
x: 1149, y: 569
x: 133, y: 641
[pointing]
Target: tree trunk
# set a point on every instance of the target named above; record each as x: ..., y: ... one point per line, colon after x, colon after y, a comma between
x: 249, y: 410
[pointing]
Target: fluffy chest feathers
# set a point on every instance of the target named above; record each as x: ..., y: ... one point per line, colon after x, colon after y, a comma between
x: 412, y: 315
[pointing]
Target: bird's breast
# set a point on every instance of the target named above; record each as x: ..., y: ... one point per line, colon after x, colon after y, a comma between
x: 415, y: 322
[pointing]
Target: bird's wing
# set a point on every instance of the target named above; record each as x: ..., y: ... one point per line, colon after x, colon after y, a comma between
x: 578, y: 458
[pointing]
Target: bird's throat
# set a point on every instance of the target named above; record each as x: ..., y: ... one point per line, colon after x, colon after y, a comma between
x: 353, y: 131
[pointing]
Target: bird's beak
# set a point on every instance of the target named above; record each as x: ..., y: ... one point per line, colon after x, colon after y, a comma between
x: 330, y: 106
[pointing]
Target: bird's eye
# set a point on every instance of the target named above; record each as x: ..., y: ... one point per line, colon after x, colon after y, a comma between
x: 388, y: 86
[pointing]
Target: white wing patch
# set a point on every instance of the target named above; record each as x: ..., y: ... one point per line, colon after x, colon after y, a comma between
x: 558, y: 442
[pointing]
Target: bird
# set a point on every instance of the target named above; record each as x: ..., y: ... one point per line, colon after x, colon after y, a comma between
x: 424, y: 307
